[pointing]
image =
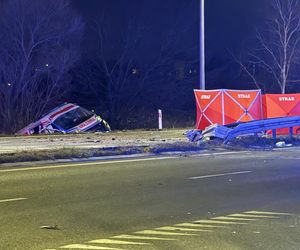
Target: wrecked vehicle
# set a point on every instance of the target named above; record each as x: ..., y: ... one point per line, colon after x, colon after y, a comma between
x: 257, y: 127
x: 66, y: 118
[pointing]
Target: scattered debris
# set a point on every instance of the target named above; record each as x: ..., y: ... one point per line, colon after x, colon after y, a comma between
x: 66, y: 118
x: 193, y: 135
x: 236, y: 130
x: 282, y: 144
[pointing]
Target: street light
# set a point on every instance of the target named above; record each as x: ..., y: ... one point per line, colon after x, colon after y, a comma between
x: 202, y: 47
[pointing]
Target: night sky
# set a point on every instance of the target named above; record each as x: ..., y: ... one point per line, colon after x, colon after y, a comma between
x: 227, y: 21
x: 229, y: 24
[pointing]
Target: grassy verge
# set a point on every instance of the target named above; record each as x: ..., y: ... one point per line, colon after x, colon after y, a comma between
x: 75, y: 153
x: 248, y: 143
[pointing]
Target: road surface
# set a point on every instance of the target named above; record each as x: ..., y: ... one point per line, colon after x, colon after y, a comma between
x: 238, y: 200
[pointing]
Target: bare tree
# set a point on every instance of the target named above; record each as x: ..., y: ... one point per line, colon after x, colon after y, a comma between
x: 39, y: 44
x: 139, y: 70
x: 277, y: 56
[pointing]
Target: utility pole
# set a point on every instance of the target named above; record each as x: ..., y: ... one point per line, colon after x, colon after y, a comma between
x: 202, y: 46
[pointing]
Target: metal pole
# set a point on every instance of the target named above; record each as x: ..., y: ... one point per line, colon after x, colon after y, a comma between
x: 202, y: 47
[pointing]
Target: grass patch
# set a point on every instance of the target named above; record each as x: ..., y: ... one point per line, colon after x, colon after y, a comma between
x: 75, y: 153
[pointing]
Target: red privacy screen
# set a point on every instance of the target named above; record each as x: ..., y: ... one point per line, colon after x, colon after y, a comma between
x: 227, y: 106
x: 281, y: 105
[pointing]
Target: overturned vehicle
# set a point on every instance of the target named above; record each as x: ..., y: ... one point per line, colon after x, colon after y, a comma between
x: 66, y: 118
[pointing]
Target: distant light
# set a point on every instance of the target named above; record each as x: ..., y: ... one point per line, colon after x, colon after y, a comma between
x: 9, y: 84
x: 134, y: 71
x: 47, y: 65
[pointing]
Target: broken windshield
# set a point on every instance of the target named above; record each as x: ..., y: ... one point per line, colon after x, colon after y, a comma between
x: 73, y: 118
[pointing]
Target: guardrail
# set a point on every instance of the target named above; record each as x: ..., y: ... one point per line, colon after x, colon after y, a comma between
x: 231, y: 131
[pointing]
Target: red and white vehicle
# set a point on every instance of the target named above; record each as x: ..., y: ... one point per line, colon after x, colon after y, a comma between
x: 67, y: 118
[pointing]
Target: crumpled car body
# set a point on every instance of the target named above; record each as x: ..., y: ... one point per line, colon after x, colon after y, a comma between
x: 66, y: 118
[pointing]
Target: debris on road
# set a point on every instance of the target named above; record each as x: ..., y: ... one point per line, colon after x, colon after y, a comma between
x: 282, y: 144
x: 232, y: 131
x: 193, y: 135
x: 248, y: 142
x: 66, y: 118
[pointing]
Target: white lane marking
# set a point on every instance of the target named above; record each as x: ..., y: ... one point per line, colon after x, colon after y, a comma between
x: 253, y: 216
x: 154, y: 232
x: 220, y: 222
x: 112, y: 162
x: 233, y: 218
x: 182, y: 229
x: 118, y: 242
x: 192, y: 229
x: 218, y: 175
x: 266, y: 213
x: 134, y: 237
x: 85, y: 164
x: 198, y: 225
x: 15, y: 199
x: 224, y: 153
x: 81, y: 246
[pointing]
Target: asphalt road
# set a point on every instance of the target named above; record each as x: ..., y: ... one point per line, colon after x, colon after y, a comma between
x: 241, y: 200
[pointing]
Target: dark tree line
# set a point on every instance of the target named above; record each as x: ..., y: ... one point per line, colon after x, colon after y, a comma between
x: 39, y: 44
x: 133, y: 74
x: 126, y: 79
x: 126, y: 68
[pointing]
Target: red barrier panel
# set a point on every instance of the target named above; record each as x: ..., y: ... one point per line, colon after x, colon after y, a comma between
x: 209, y: 107
x: 281, y: 105
x: 227, y: 106
x: 242, y: 105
